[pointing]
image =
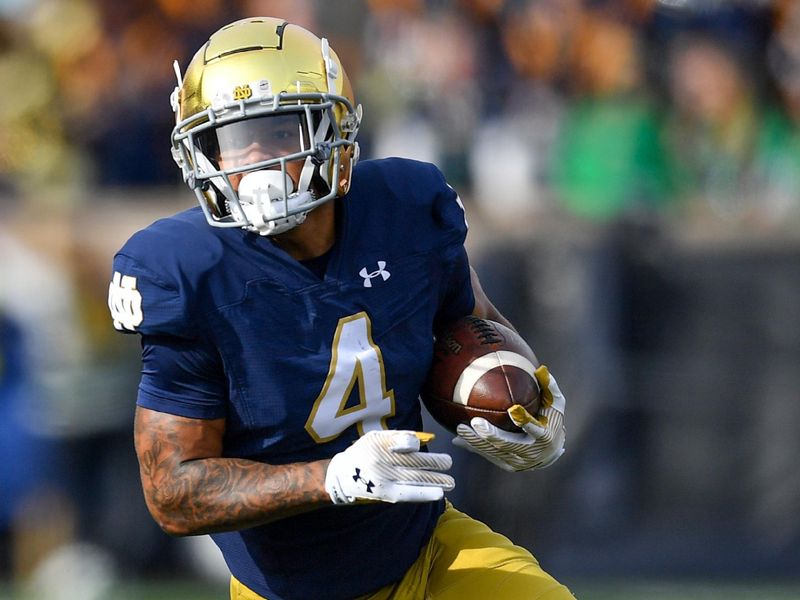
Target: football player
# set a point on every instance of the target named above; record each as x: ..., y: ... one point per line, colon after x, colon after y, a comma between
x: 284, y: 346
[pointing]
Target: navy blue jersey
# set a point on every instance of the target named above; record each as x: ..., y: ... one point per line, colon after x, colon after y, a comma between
x: 300, y: 366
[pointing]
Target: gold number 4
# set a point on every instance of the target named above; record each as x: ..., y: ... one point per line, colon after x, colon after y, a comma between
x: 355, y: 360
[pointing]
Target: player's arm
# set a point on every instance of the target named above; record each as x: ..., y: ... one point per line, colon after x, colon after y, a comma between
x: 483, y: 306
x: 191, y: 489
x: 542, y: 440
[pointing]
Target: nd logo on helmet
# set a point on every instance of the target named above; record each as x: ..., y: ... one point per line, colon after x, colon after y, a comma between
x: 242, y: 92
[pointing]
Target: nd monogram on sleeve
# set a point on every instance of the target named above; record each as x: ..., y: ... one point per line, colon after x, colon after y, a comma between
x: 124, y: 302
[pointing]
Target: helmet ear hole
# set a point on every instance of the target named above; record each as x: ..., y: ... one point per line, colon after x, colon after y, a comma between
x: 343, y: 177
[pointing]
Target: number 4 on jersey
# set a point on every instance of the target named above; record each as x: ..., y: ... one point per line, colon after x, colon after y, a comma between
x: 355, y: 360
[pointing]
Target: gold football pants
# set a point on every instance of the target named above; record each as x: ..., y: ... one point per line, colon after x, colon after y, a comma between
x: 464, y: 560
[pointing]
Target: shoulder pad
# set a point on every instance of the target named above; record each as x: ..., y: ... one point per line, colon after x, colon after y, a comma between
x: 419, y: 198
x: 155, y: 275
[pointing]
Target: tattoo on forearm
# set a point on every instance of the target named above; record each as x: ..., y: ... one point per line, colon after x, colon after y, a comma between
x: 217, y: 494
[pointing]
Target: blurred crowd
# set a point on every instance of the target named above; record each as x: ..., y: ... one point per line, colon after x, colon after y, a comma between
x: 596, y: 107
x: 587, y: 111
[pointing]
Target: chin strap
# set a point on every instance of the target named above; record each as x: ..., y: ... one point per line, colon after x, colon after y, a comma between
x: 311, y: 166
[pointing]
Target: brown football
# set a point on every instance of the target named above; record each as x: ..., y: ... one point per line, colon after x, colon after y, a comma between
x: 480, y: 369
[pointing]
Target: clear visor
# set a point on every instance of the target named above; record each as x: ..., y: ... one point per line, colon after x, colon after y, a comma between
x: 242, y: 143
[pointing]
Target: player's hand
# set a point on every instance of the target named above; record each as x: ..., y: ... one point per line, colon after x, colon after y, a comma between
x: 388, y: 466
x: 538, y: 445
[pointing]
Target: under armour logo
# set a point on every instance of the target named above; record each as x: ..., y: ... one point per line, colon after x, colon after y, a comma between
x: 381, y: 272
x: 368, y: 484
x: 125, y: 302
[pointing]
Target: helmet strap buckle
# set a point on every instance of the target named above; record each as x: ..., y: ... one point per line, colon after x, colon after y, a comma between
x: 322, y: 154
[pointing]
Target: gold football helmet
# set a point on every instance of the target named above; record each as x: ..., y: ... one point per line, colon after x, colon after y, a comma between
x: 265, y: 125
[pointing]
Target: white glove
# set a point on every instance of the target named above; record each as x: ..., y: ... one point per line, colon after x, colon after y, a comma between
x: 539, y: 444
x: 388, y: 466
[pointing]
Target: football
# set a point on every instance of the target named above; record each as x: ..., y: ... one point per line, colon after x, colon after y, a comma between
x: 480, y: 369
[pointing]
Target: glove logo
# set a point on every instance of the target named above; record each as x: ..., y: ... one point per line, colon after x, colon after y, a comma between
x: 368, y: 484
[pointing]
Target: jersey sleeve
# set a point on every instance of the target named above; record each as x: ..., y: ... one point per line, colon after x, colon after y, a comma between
x: 147, y: 292
x: 449, y: 214
x: 142, y: 302
x: 182, y: 377
x: 153, y: 292
x: 456, y: 298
